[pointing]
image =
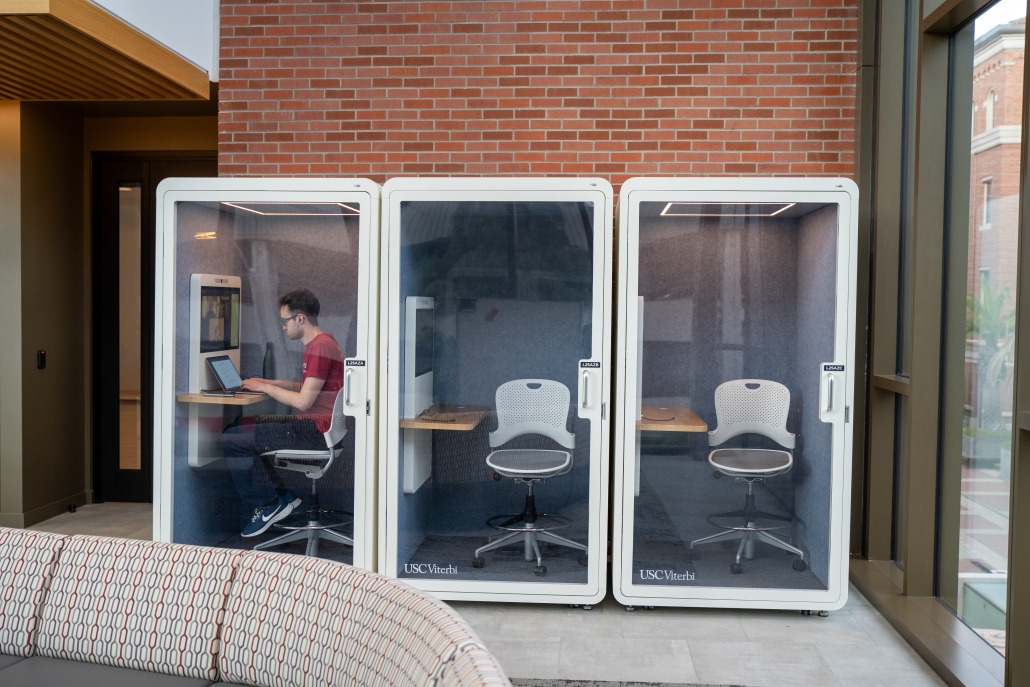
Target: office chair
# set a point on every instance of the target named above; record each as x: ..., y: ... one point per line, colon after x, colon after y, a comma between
x: 530, y: 406
x: 750, y: 406
x: 314, y: 465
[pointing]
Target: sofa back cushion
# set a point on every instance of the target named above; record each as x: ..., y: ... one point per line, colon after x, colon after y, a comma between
x: 27, y: 562
x: 295, y: 621
x: 137, y: 604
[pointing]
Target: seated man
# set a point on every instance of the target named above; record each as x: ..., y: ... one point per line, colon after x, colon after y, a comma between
x: 312, y: 397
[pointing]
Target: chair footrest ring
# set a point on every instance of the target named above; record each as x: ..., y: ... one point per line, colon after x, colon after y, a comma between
x: 543, y: 523
x: 303, y: 522
x: 712, y: 520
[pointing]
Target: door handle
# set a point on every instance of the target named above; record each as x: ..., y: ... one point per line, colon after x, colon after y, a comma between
x: 347, y: 387
x: 829, y: 392
x: 586, y: 389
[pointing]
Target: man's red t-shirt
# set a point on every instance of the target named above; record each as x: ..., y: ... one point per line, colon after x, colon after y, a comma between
x: 323, y: 359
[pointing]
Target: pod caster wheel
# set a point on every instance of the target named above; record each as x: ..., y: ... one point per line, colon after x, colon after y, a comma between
x: 478, y: 562
x: 736, y: 568
x: 800, y: 565
x: 540, y: 570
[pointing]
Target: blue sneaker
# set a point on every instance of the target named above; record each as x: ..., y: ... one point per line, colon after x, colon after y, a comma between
x: 267, y: 516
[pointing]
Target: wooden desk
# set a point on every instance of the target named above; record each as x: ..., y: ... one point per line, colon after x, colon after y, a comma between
x: 447, y: 417
x: 203, y: 447
x: 670, y: 419
x: 237, y: 400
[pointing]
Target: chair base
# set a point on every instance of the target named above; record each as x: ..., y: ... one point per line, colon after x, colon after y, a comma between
x: 748, y: 535
x: 750, y: 531
x: 531, y: 530
x: 314, y: 531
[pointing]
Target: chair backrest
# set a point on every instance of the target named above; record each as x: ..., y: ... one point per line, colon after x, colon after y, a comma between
x: 751, y: 406
x: 532, y: 406
x: 338, y: 425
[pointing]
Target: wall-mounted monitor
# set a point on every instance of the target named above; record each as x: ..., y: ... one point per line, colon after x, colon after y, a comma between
x: 214, y: 325
x: 219, y: 315
x: 419, y: 334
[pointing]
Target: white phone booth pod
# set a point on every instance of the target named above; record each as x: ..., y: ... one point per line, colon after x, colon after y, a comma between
x: 227, y: 251
x: 735, y: 379
x: 494, y: 432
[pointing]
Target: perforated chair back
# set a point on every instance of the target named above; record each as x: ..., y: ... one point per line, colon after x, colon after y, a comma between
x: 752, y: 406
x: 532, y: 406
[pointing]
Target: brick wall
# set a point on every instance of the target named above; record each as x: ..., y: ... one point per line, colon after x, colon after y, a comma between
x: 612, y: 88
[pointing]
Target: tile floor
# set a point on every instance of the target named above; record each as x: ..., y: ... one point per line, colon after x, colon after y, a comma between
x: 852, y: 647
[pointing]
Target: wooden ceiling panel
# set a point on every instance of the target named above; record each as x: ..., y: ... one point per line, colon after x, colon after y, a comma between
x: 73, y: 50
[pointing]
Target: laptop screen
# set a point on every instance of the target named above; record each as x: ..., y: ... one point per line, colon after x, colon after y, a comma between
x: 225, y: 372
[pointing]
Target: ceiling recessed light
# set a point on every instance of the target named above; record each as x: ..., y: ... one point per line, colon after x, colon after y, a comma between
x: 283, y: 209
x: 708, y: 209
x: 205, y: 235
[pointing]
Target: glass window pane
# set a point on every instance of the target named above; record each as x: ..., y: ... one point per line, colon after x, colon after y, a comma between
x: 496, y: 301
x: 976, y: 443
x: 234, y: 260
x: 129, y: 313
x: 735, y: 315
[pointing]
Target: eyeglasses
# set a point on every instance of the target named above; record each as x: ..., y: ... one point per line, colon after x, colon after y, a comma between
x: 284, y: 320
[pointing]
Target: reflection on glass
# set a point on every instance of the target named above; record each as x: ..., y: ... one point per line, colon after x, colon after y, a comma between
x: 129, y: 235
x: 981, y: 538
x: 267, y: 297
x: 496, y: 301
x: 736, y: 311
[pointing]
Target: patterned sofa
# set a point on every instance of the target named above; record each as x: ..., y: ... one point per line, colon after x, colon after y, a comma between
x: 101, y: 612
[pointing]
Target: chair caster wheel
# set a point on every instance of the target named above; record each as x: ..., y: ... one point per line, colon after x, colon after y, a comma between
x: 478, y: 562
x: 693, y: 555
x: 800, y: 565
x: 582, y: 560
x: 736, y: 568
x: 540, y: 570
x: 728, y: 544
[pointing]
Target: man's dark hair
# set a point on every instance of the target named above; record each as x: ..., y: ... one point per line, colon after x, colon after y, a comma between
x: 302, y: 300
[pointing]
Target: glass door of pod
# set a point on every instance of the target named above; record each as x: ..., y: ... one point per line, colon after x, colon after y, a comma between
x: 494, y: 434
x: 735, y: 380
x: 265, y: 365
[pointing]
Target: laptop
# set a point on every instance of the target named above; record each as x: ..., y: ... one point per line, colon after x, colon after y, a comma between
x: 226, y: 374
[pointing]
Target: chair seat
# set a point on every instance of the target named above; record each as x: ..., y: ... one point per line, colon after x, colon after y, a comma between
x: 750, y: 461
x: 519, y: 462
x: 312, y: 464
x: 298, y: 454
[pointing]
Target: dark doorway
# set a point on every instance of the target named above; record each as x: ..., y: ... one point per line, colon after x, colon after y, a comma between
x: 123, y: 226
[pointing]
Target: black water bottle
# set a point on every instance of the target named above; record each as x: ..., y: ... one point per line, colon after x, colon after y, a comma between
x: 268, y: 364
